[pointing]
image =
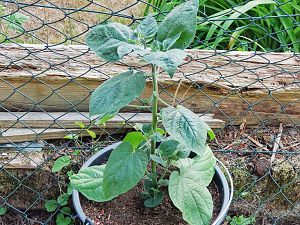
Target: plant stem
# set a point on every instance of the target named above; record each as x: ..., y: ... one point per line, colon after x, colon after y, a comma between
x: 154, y: 121
x: 162, y: 101
x: 139, y: 106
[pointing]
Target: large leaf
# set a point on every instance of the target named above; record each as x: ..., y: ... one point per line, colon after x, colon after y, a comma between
x: 182, y: 19
x: 116, y: 93
x: 128, y: 48
x: 89, y: 183
x: 168, y: 60
x: 148, y: 27
x: 105, y: 39
x: 200, y: 167
x: 186, y: 127
x: 125, y: 168
x: 191, y: 198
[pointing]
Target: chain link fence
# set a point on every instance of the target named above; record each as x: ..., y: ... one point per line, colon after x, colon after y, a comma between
x: 242, y: 75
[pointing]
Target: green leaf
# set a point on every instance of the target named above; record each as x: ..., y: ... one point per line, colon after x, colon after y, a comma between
x: 80, y: 124
x: 186, y: 127
x: 116, y: 93
x: 60, y: 163
x: 89, y: 183
x: 168, y: 60
x: 69, y: 189
x: 62, y: 220
x: 91, y: 133
x: 128, y: 48
x: 124, y: 169
x: 71, y: 136
x: 105, y: 39
x: 158, y: 160
x: 3, y: 210
x: 51, y: 205
x: 66, y: 210
x: 16, y: 20
x: 153, y: 202
x: 157, y: 137
x: 134, y: 138
x: 103, y: 119
x: 145, y: 128
x: 168, y: 147
x: 183, y: 151
x: 161, y: 131
x: 169, y: 42
x: 201, y: 168
x: 63, y: 199
x: 191, y: 198
x: 148, y: 27
x: 182, y: 19
x: 211, y: 134
x: 183, y: 162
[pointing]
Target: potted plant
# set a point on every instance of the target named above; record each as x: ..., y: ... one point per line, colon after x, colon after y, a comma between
x: 120, y: 167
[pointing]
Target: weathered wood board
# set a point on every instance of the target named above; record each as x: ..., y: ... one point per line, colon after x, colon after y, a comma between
x: 232, y: 85
x: 31, y: 126
x: 15, y: 135
x: 67, y: 120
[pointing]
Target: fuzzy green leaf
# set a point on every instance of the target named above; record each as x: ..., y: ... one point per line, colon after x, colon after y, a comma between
x: 116, y: 93
x: 186, y: 127
x: 128, y: 48
x: 153, y: 202
x: 105, y: 39
x: 182, y: 19
x: 60, y: 163
x: 168, y: 147
x: 169, y: 42
x: 191, y: 198
x: 158, y: 160
x: 202, y: 167
x: 169, y: 60
x: 134, y: 138
x: 124, y: 169
x: 148, y: 27
x: 89, y: 183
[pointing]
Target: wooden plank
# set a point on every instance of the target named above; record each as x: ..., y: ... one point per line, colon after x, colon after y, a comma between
x: 19, y: 160
x: 227, y: 84
x: 15, y: 135
x: 67, y: 120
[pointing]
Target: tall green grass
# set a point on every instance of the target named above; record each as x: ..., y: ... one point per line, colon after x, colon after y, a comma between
x: 256, y: 25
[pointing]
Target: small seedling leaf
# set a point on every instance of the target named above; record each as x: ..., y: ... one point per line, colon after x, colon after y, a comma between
x: 60, y: 163
x: 51, y: 205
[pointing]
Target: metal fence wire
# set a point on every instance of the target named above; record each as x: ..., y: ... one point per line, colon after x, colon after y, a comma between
x: 242, y: 76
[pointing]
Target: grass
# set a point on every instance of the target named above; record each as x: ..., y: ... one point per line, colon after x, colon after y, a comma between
x: 258, y: 25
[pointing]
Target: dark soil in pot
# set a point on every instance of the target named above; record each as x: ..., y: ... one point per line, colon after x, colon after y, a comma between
x: 128, y: 209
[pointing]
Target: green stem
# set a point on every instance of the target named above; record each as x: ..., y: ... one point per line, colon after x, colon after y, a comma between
x: 162, y: 101
x: 154, y: 121
x: 139, y: 106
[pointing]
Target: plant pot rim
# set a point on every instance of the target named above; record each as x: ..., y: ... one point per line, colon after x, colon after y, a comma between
x: 219, y: 179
